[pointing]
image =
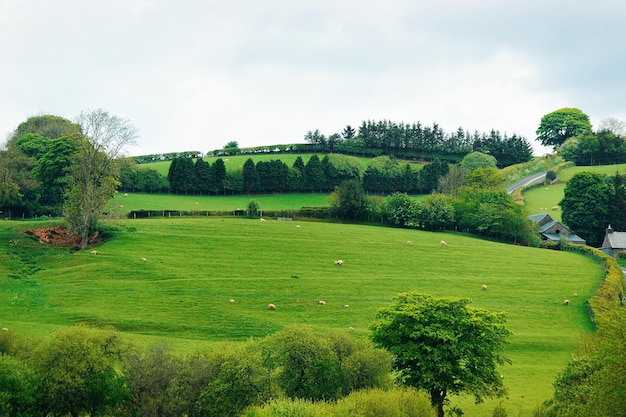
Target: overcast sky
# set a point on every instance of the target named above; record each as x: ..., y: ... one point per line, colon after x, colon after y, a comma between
x: 196, y: 74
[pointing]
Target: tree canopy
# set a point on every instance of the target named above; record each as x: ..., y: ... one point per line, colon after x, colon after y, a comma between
x: 443, y: 345
x: 560, y: 125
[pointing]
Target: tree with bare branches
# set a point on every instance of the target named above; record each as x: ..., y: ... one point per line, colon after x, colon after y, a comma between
x: 93, y: 180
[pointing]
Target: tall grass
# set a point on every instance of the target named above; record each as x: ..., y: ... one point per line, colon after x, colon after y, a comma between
x: 194, y: 266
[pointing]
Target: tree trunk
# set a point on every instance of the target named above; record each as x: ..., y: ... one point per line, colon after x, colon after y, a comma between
x: 437, y: 398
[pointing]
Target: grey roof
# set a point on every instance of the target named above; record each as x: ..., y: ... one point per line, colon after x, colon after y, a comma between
x: 572, y: 237
x: 617, y: 240
x: 541, y: 218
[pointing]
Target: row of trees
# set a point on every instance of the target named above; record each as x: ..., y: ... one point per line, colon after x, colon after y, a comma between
x: 416, y: 141
x: 383, y: 175
x: 81, y: 371
x: 54, y: 166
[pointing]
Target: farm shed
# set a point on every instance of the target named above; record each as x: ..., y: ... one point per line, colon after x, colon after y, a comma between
x: 552, y: 230
x: 614, y: 242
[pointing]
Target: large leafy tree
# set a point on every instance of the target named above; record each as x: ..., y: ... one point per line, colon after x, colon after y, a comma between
x: 104, y: 137
x: 443, y: 345
x: 53, y: 170
x: 585, y: 206
x: 475, y: 160
x: 348, y: 199
x: 560, y: 125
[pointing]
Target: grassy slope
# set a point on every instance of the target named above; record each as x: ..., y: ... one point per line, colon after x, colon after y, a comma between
x: 194, y: 266
x: 233, y: 163
x: 542, y: 199
x: 139, y: 201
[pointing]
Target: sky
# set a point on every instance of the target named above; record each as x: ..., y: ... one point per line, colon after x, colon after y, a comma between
x: 197, y: 74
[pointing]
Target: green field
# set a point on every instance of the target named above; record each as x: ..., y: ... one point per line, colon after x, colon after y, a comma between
x: 194, y: 266
x: 124, y: 203
x: 542, y: 199
x: 236, y: 162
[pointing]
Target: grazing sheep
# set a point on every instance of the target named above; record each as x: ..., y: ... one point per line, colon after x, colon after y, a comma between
x: 555, y: 208
x: 566, y: 302
x: 484, y: 287
x: 575, y: 294
x: 231, y: 301
x: 93, y: 252
x: 321, y: 302
x: 271, y: 306
x: 125, y: 194
x: 262, y: 220
x: 144, y: 259
x: 350, y: 329
x: 408, y: 242
x: 121, y: 205
x: 346, y: 305
x: 443, y: 243
x: 339, y: 262
x: 297, y: 226
x: 4, y: 329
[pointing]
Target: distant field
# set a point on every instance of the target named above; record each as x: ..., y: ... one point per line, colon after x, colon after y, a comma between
x: 195, y: 265
x: 542, y: 199
x: 232, y: 163
x: 142, y: 201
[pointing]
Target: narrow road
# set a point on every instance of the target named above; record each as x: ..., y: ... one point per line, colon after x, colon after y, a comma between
x: 526, y: 181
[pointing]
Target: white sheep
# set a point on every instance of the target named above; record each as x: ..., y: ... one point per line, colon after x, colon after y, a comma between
x: 566, y: 302
x: 271, y: 306
x: 339, y: 262
x: 350, y: 329
x: 321, y: 302
x: 408, y: 242
x: 443, y: 243
x: 5, y: 329
x: 484, y: 287
x: 555, y: 208
x: 297, y: 226
x: 346, y: 305
x: 125, y: 194
x: 231, y: 301
x: 575, y: 294
x: 144, y: 259
x: 262, y: 220
x: 93, y: 252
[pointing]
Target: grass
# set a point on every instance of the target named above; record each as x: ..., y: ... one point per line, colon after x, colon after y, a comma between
x: 142, y: 201
x: 195, y: 265
x: 542, y: 199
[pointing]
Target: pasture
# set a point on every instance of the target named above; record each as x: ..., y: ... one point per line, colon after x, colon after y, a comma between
x: 193, y: 267
x: 542, y: 199
x: 228, y: 203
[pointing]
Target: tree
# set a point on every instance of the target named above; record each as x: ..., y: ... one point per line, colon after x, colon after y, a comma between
x: 202, y: 176
x: 218, y: 176
x: 348, y: 133
x: 560, y: 125
x: 348, y: 199
x: 104, y: 137
x: 613, y: 125
x: 78, y: 371
x: 443, y: 345
x: 250, y: 177
x: 233, y: 144
x: 435, y: 213
x: 399, y: 209
x: 53, y: 170
x: 475, y: 160
x: 307, y: 366
x: 314, y: 178
x: 452, y: 181
x: 617, y: 207
x: 585, y: 206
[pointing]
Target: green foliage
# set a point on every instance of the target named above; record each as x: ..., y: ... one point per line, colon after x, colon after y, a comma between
x: 253, y: 208
x: 400, y: 209
x: 550, y: 175
x: 585, y: 206
x: 19, y: 388
x: 443, y: 345
x: 78, y: 371
x: 475, y: 160
x: 250, y: 178
x: 485, y: 179
x: 348, y: 200
x: 556, y: 127
x: 435, y: 213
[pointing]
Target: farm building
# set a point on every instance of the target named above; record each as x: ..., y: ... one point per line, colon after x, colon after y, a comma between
x: 551, y: 230
x: 614, y: 242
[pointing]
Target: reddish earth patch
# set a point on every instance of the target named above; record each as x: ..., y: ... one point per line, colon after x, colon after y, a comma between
x: 54, y: 236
